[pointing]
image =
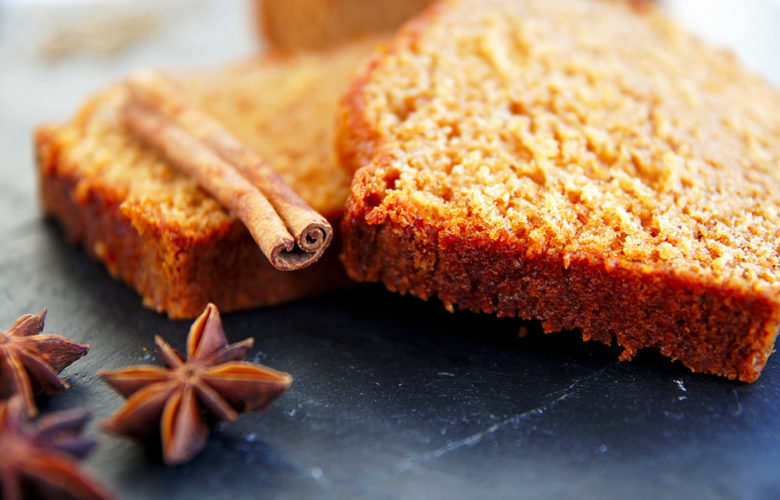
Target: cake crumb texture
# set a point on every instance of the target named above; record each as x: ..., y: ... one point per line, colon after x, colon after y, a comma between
x: 578, y: 161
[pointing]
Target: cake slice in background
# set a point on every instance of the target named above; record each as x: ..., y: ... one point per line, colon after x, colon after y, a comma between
x: 311, y: 24
x: 579, y: 162
x: 154, y: 228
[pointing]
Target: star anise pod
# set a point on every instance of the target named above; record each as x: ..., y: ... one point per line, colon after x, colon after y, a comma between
x: 214, y: 383
x: 30, y: 362
x: 40, y: 460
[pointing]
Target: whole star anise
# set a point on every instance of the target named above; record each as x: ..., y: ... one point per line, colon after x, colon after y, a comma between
x: 213, y: 382
x: 40, y: 460
x: 30, y: 362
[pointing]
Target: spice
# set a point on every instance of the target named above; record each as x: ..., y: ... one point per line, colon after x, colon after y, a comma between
x: 30, y: 362
x: 40, y: 461
x: 214, y: 382
x: 290, y: 233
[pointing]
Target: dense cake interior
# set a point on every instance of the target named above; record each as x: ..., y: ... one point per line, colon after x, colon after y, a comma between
x: 259, y: 101
x: 580, y: 128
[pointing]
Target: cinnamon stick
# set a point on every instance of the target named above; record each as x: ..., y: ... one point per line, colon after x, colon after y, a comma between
x: 291, y: 234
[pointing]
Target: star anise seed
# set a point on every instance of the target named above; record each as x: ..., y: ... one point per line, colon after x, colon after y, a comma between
x: 214, y: 381
x: 30, y: 362
x: 40, y: 460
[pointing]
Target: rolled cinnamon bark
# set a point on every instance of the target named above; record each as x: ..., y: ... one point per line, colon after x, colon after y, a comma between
x: 291, y: 234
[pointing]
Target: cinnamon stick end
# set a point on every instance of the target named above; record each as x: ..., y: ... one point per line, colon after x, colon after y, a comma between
x: 311, y: 245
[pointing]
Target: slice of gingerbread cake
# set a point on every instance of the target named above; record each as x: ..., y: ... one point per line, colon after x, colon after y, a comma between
x: 156, y: 229
x: 582, y: 162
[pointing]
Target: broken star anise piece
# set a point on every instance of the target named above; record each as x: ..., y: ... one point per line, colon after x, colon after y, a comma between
x: 40, y: 460
x: 213, y: 381
x: 30, y: 362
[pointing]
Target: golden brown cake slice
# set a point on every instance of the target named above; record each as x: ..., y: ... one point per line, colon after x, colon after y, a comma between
x: 576, y: 161
x: 156, y: 229
x: 311, y: 24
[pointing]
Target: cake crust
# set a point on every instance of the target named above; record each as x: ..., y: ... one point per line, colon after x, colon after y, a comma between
x: 436, y: 244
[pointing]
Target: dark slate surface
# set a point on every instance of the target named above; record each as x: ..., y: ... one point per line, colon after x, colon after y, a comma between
x: 393, y: 397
